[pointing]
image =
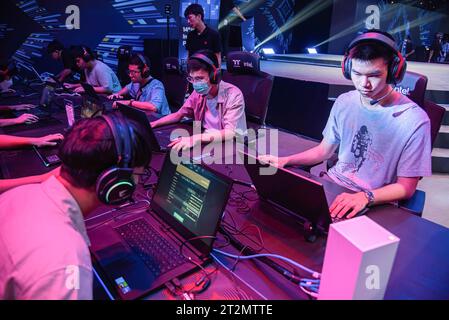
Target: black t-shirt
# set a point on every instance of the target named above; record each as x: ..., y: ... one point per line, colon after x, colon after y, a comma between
x: 68, y: 60
x: 437, y: 49
x: 208, y: 39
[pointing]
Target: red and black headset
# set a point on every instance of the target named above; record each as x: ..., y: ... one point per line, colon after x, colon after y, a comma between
x: 215, y: 74
x: 397, y: 67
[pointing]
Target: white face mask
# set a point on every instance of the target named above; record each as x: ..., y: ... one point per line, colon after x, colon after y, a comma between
x: 5, y: 85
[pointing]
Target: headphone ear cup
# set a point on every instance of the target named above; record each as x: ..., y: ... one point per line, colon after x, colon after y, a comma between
x: 115, y: 185
x: 397, y: 70
x: 347, y: 66
x: 215, y: 76
x: 146, y: 72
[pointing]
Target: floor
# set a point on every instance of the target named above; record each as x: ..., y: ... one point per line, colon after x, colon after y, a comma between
x: 436, y: 208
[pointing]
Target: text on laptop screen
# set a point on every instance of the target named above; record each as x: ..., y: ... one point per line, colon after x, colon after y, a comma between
x: 193, y: 196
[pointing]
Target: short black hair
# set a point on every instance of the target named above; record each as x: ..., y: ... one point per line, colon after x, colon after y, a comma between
x: 194, y: 64
x: 195, y: 9
x: 89, y: 149
x: 78, y: 51
x: 137, y: 61
x: 53, y: 46
x: 369, y: 50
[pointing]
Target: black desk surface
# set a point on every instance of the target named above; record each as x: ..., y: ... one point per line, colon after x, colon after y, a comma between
x: 420, y: 271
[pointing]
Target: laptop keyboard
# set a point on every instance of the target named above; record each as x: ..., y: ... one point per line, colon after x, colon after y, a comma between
x: 156, y: 252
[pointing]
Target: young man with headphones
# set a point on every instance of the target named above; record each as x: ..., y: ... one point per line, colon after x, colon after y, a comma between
x: 383, y: 138
x: 147, y: 93
x: 98, y: 74
x: 57, y: 52
x: 43, y: 240
x: 217, y: 105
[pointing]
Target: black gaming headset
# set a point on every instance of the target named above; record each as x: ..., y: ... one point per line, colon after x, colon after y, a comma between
x: 115, y: 185
x: 146, y: 67
x: 87, y: 56
x: 397, y: 67
x: 215, y: 74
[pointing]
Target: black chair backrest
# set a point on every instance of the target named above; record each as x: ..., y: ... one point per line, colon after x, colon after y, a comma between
x: 175, y: 83
x: 436, y: 115
x: 243, y: 71
x: 414, y: 86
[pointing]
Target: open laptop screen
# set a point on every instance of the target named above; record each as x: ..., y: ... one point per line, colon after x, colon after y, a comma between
x: 191, y: 199
x: 296, y: 193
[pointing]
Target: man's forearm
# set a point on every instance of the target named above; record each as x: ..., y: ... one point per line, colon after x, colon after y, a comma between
x: 102, y: 90
x: 169, y: 119
x: 7, y: 122
x: 144, y: 105
x: 217, y: 135
x: 309, y: 157
x: 394, y: 192
x: 7, y: 141
x: 64, y: 74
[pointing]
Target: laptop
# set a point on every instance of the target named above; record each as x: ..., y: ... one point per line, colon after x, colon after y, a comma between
x: 139, y: 252
x: 158, y: 142
x: 297, y: 192
x: 93, y: 104
x: 48, y: 155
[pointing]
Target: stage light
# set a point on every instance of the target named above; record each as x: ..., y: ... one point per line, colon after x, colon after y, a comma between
x: 268, y: 51
x: 387, y: 14
x: 243, y: 8
x: 310, y: 10
x: 312, y: 51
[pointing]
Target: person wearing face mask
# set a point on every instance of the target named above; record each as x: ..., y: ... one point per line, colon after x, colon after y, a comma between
x: 217, y: 105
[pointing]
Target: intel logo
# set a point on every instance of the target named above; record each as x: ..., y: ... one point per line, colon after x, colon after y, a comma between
x: 404, y: 91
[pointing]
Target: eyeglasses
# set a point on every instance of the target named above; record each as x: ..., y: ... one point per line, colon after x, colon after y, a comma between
x: 133, y: 71
x: 196, y: 79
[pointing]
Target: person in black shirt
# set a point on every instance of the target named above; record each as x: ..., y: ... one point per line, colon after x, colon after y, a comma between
x: 407, y: 49
x: 436, y: 50
x: 58, y: 52
x: 202, y: 37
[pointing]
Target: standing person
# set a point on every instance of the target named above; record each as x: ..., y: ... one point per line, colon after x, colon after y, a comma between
x: 383, y: 138
x: 202, y: 37
x: 407, y: 49
x: 44, y: 250
x: 436, y: 50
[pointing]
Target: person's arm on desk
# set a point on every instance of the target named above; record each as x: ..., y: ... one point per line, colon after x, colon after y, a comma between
x: 6, y: 184
x: 143, y: 105
x: 168, y: 119
x: 17, y: 107
x: 310, y: 157
x: 352, y: 203
x: 184, y: 143
x: 24, y: 118
x: 7, y: 141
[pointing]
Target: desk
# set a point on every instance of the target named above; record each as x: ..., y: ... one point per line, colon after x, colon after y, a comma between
x: 420, y: 271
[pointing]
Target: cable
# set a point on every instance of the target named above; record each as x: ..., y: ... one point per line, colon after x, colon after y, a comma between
x: 206, y: 274
x: 236, y: 276
x: 315, y: 274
